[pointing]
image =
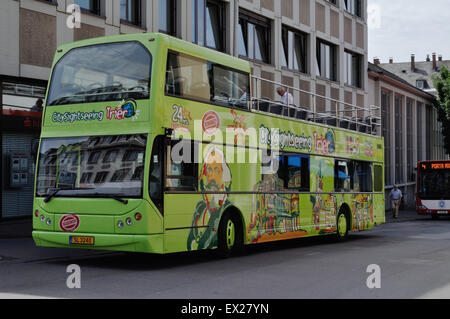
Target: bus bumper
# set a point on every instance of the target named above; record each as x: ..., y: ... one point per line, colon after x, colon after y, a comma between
x: 433, y: 212
x: 130, y: 243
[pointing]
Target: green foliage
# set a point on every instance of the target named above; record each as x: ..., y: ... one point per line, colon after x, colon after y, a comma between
x: 442, y: 104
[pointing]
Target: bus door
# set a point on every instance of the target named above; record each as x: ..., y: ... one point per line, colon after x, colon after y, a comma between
x: 379, y: 216
x: 183, y: 209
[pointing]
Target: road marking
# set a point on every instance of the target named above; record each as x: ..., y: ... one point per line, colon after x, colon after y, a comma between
x: 21, y: 296
x: 439, y: 293
x: 440, y: 236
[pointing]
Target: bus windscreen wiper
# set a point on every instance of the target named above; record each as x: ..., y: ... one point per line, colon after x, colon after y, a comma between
x: 51, y: 195
x: 56, y: 191
x: 117, y: 198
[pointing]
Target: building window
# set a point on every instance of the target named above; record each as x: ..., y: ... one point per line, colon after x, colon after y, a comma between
x: 167, y: 17
x: 120, y: 175
x: 353, y: 7
x: 398, y: 140
x: 208, y: 24
x: 419, y: 131
x: 100, y: 177
x: 409, y: 140
x: 93, y: 6
x: 110, y: 156
x: 130, y: 11
x: 254, y: 38
x: 353, y: 69
x: 386, y: 126
x: 428, y: 133
x: 326, y: 60
x: 333, y: 2
x: 294, y: 45
x: 422, y: 84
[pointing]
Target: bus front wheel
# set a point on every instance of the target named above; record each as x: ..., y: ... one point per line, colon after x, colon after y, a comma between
x: 230, y: 235
x: 342, y: 226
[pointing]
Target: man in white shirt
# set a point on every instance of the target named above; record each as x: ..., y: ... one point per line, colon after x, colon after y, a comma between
x: 285, y: 96
x: 396, y: 196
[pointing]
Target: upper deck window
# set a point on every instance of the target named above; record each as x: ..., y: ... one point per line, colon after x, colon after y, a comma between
x: 197, y: 79
x: 100, y: 73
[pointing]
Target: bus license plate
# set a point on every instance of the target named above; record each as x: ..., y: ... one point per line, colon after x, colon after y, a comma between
x: 81, y: 240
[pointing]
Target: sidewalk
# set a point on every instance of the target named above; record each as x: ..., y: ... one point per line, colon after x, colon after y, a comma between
x: 20, y: 228
x: 403, y: 216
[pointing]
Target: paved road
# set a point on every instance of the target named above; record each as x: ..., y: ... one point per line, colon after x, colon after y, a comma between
x: 414, y: 257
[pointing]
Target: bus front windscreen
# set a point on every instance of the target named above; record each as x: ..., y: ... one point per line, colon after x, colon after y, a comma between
x: 96, y: 166
x: 99, y: 73
x: 434, y: 184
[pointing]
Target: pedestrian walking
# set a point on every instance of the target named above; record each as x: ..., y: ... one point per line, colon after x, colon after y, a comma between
x: 396, y: 196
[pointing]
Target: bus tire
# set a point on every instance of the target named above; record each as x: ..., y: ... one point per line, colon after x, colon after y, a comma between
x: 435, y: 216
x: 342, y: 225
x: 230, y: 235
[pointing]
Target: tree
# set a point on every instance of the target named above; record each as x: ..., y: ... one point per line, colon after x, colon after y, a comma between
x: 442, y: 104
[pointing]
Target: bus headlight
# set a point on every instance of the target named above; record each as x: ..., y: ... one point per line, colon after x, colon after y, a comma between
x: 129, y: 221
x: 120, y: 224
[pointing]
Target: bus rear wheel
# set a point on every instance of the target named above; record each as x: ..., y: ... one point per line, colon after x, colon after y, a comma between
x: 342, y: 226
x: 230, y: 236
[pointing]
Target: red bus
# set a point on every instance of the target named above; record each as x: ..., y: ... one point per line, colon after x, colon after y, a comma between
x: 433, y: 188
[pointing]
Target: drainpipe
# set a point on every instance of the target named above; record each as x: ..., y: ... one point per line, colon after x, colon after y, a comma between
x: 236, y: 28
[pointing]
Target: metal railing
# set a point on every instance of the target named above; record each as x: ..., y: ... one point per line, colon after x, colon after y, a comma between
x: 316, y: 108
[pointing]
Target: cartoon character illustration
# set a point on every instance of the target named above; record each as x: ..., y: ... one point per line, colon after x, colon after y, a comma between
x: 239, y: 128
x: 273, y: 214
x: 215, y: 182
x: 362, y: 209
x: 324, y: 206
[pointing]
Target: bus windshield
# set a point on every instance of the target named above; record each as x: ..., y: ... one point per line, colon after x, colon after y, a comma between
x: 434, y: 184
x: 98, y: 73
x: 96, y: 166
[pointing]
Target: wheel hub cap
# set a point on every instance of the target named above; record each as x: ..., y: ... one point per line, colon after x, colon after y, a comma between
x: 342, y: 224
x: 230, y: 234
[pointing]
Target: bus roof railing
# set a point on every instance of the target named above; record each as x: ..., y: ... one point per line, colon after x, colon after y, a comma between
x: 317, y: 108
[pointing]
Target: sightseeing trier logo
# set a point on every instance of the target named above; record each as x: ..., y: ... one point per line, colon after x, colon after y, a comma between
x: 127, y: 109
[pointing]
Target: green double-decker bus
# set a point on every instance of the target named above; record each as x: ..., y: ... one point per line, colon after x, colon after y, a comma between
x: 153, y: 144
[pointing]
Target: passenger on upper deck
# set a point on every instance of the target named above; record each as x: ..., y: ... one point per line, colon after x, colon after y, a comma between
x: 285, y: 96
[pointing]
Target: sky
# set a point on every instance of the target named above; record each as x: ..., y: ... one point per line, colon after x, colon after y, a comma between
x: 399, y: 28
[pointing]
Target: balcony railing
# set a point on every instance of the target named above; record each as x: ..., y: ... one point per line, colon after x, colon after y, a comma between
x: 316, y: 108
